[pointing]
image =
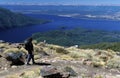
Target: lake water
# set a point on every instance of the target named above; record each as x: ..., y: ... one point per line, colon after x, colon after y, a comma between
x: 20, y: 34
x: 52, y: 13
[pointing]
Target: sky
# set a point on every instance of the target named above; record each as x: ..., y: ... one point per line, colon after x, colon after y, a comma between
x: 62, y: 2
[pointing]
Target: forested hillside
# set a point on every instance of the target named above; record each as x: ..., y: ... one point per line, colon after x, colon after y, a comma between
x: 78, y: 36
x: 9, y: 19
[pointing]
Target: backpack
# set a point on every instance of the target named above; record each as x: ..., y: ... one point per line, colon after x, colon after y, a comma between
x: 26, y: 45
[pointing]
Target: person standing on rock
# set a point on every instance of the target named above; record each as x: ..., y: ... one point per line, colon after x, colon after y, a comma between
x: 29, y: 48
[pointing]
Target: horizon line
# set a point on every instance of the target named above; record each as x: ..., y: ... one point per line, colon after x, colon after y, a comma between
x: 37, y: 4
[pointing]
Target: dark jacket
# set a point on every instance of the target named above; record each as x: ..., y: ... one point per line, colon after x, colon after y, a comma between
x: 29, y: 46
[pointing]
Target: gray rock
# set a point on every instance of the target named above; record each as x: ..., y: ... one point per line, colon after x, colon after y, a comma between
x: 71, y: 71
x: 52, y: 72
x: 1, y: 41
x: 16, y: 58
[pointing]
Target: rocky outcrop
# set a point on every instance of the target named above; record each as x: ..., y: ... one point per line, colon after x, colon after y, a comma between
x: 16, y: 58
x: 52, y: 72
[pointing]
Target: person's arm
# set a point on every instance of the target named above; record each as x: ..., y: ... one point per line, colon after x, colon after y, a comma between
x: 32, y: 47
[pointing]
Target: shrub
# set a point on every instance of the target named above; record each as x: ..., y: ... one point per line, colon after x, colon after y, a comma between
x: 97, y: 62
x: 61, y: 50
x: 114, y: 63
x: 36, y: 49
x: 74, y: 55
x: 66, y: 57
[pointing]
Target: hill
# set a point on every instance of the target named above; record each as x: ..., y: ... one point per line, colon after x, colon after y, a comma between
x: 78, y: 36
x: 79, y: 63
x: 9, y: 19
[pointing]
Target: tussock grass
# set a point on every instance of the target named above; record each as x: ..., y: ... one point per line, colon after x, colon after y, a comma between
x: 14, y: 50
x: 66, y: 57
x: 114, y: 62
x: 37, y: 57
x: 4, y: 45
x: 61, y: 50
x: 31, y: 74
x: 95, y: 57
x: 12, y: 76
x: 36, y: 49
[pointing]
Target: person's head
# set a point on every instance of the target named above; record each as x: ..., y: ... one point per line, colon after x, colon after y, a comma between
x: 30, y: 39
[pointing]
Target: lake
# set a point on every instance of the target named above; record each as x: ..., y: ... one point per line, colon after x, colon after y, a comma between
x: 57, y: 21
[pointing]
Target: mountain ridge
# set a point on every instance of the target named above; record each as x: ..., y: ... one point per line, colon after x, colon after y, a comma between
x: 9, y: 19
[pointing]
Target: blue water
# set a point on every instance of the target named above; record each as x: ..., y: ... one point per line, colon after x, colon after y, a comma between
x: 52, y: 12
x: 20, y: 34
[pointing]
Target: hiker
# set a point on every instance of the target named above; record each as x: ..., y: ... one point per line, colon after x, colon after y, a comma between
x: 29, y: 48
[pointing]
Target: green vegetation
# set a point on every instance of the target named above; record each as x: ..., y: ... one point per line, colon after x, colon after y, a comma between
x: 61, y: 50
x: 9, y: 19
x: 77, y: 36
x: 105, y: 46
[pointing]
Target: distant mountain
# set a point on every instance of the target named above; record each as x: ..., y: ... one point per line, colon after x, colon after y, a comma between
x: 9, y: 19
x: 86, y: 12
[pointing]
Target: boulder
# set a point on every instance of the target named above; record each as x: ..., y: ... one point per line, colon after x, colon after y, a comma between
x: 16, y: 58
x: 52, y: 72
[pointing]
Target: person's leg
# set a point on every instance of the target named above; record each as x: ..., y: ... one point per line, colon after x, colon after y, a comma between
x: 33, y: 61
x: 28, y: 58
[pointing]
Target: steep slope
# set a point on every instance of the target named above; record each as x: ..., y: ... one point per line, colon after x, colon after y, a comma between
x: 9, y: 19
x: 87, y: 63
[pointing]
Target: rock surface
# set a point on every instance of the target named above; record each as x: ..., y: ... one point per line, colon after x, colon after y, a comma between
x: 52, y: 72
x: 16, y: 58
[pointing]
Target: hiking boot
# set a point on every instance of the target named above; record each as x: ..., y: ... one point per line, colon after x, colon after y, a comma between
x: 27, y: 64
x: 34, y: 62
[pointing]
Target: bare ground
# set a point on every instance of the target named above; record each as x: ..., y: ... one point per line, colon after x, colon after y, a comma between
x: 80, y: 69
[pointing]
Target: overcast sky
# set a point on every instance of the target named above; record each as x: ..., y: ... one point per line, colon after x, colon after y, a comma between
x: 69, y: 2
